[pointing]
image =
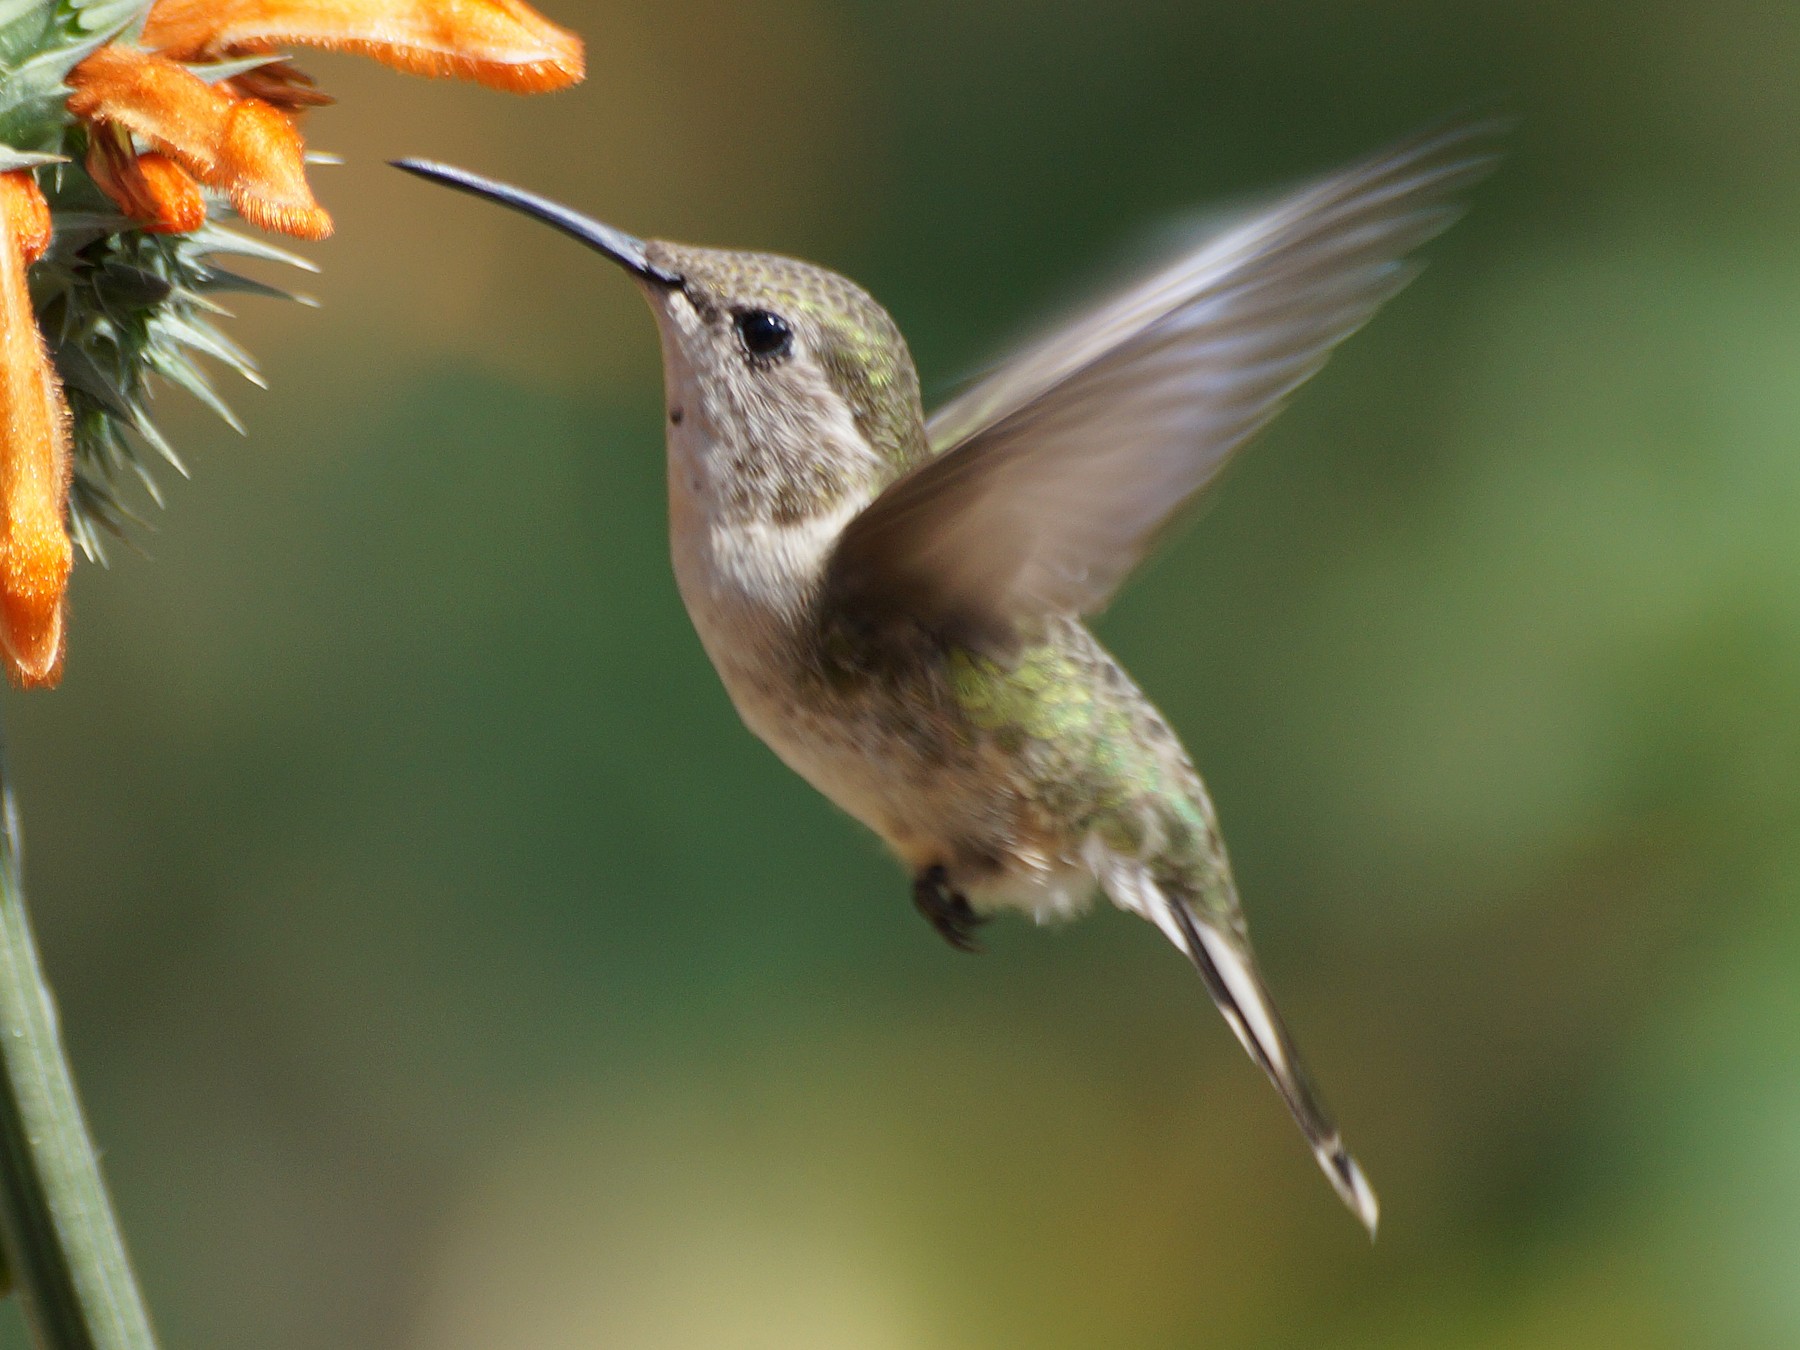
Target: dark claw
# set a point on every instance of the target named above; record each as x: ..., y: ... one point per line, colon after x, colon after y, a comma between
x: 946, y: 910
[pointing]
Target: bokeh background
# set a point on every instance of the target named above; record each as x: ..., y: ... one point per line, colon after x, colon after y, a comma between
x: 447, y: 969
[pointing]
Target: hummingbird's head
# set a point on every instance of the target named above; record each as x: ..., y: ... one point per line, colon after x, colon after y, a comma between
x: 791, y: 394
x: 785, y: 370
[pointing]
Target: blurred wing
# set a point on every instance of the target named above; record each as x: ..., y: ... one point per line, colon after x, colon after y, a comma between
x: 1062, y: 465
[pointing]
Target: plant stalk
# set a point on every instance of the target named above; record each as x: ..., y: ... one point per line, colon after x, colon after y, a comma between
x: 62, y: 1246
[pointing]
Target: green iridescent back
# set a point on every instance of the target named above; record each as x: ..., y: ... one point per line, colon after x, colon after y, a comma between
x: 1098, y: 756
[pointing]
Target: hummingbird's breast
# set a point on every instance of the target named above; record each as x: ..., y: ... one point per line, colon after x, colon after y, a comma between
x: 883, y: 751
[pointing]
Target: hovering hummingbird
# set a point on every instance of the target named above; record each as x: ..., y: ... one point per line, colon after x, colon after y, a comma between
x: 895, y: 603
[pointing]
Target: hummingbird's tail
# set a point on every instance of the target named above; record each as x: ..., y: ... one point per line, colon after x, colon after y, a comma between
x: 1223, y: 958
x: 1231, y: 978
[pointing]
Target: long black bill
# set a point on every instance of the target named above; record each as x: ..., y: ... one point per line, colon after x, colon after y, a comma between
x: 615, y: 244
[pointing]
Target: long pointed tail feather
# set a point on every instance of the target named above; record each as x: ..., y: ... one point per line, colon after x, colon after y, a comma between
x: 1235, y: 986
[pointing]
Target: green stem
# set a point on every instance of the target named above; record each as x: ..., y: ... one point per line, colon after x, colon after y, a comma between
x: 60, y: 1239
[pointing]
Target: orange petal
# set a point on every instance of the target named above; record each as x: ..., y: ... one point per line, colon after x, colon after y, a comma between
x: 262, y: 167
x: 246, y: 148
x: 174, y: 199
x: 504, y: 44
x: 28, y: 215
x: 152, y: 97
x: 35, y: 556
x: 151, y: 188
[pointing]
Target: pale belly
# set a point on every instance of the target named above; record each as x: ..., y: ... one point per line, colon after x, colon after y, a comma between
x: 883, y: 766
x: 934, y: 796
x: 900, y: 760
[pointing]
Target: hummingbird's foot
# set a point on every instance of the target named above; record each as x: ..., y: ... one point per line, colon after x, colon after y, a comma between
x: 947, y: 909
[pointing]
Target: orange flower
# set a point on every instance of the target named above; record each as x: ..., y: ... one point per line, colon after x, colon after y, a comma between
x: 240, y: 145
x: 150, y: 187
x: 234, y: 135
x: 35, y: 554
x: 500, y: 43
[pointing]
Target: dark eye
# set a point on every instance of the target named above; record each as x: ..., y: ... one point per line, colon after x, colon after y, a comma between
x: 764, y: 334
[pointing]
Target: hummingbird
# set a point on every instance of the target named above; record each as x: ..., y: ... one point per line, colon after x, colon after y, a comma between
x: 895, y: 603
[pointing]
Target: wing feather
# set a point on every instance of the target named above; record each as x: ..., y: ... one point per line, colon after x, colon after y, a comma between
x: 1057, y: 472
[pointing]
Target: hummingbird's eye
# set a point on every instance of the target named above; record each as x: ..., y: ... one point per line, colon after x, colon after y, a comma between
x: 764, y: 334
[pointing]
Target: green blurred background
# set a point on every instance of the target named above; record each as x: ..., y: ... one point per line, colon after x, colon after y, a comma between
x: 447, y: 969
